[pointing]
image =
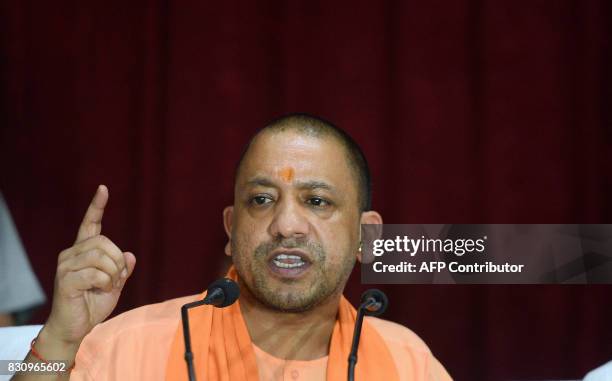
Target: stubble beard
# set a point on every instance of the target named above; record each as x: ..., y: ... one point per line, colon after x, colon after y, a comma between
x: 293, y: 296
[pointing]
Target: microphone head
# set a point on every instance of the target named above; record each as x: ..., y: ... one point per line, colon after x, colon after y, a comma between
x: 380, y: 302
x: 230, y: 289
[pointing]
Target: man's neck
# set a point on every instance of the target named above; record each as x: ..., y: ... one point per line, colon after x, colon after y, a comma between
x: 292, y: 336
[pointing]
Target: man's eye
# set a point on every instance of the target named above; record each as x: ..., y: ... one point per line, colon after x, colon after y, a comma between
x: 260, y: 200
x: 317, y: 201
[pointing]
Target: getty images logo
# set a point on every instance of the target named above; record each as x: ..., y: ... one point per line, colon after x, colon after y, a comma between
x: 411, y: 246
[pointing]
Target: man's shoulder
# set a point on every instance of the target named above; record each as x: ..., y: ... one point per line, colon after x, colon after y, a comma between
x: 395, y: 334
x: 144, y: 320
x: 132, y: 345
x: 413, y: 359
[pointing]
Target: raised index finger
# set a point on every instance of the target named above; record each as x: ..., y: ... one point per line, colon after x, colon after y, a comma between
x: 92, y: 221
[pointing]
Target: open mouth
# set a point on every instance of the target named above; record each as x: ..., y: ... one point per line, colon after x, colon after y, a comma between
x: 289, y: 263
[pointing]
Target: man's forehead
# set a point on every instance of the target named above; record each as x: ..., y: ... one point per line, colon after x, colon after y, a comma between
x: 307, y: 183
x: 286, y: 174
x: 289, y: 156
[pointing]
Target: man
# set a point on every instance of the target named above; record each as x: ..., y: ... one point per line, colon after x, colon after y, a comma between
x: 302, y: 189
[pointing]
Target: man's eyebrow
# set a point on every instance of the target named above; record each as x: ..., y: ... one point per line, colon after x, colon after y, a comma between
x: 315, y: 184
x: 261, y: 181
x: 310, y: 184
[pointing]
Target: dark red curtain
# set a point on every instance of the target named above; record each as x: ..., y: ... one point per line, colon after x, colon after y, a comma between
x: 469, y: 112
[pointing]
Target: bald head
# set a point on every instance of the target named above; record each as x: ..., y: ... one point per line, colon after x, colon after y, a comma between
x: 315, y: 127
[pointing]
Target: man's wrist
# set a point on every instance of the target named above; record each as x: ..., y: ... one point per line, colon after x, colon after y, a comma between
x: 51, y: 346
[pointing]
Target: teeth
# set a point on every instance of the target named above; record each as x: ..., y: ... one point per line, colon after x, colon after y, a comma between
x: 289, y: 256
x: 288, y: 265
x: 288, y: 261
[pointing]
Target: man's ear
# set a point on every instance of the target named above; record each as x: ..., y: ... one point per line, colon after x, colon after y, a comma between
x: 228, y: 213
x: 371, y: 217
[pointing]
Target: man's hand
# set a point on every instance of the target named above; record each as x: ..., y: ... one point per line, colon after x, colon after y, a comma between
x: 89, y: 279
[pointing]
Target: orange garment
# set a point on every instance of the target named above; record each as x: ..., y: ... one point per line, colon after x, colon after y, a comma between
x: 412, y: 359
x: 224, y: 350
x: 142, y: 344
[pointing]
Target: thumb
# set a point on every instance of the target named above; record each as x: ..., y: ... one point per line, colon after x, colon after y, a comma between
x: 130, y: 262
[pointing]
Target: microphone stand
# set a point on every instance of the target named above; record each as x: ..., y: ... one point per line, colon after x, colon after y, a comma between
x: 187, y: 336
x: 220, y: 293
x: 374, y: 303
x: 352, y: 360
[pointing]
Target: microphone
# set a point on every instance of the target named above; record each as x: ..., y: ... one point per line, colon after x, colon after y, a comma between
x: 373, y: 303
x: 221, y: 293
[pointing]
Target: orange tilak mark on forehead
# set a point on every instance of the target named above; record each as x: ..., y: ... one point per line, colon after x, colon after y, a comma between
x: 286, y: 174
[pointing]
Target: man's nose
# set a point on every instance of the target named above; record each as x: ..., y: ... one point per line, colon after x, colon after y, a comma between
x: 289, y: 220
